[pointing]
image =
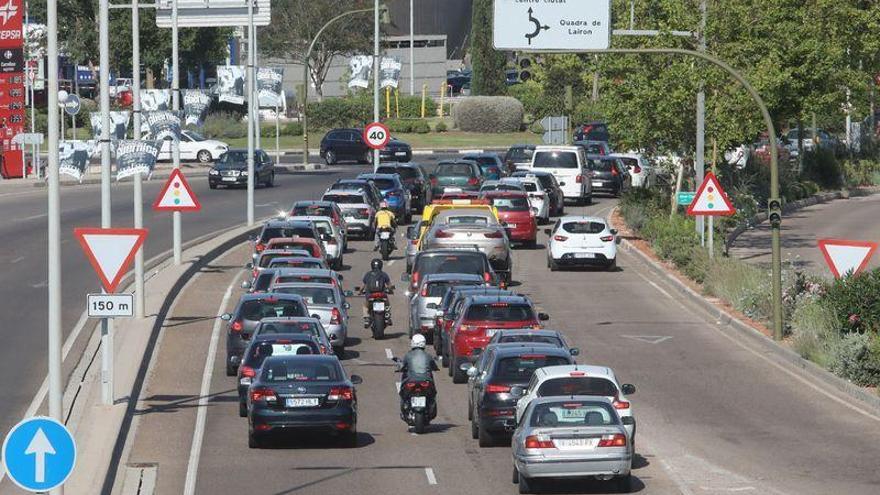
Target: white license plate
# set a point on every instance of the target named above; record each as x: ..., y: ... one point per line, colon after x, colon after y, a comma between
x: 400, y: 153
x: 294, y: 402
x: 350, y: 219
x: 451, y: 189
x: 384, y: 235
x: 378, y: 306
x: 575, y: 443
x: 418, y: 401
x: 245, y: 381
x: 584, y: 255
x: 511, y: 226
x: 228, y: 179
x: 597, y: 184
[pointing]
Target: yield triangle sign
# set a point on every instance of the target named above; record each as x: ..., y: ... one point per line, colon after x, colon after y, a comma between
x: 711, y: 199
x: 110, y: 251
x: 176, y: 195
x: 844, y: 257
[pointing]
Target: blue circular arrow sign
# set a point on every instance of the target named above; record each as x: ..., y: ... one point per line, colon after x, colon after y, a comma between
x: 39, y: 454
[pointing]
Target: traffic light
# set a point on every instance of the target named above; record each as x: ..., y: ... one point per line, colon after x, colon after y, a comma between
x: 525, y: 74
x: 774, y: 207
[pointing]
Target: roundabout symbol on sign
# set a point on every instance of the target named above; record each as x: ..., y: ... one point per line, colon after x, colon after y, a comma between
x: 376, y: 135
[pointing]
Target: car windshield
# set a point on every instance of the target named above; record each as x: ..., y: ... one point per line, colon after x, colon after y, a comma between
x: 300, y: 370
x: 312, y: 210
x: 311, y: 295
x: 568, y: 413
x: 349, y: 199
x: 511, y: 204
x: 270, y: 233
x: 500, y: 311
x: 453, y: 169
x: 451, y: 263
x: 261, y: 350
x: 520, y: 154
x: 577, y: 385
x: 195, y: 136
x: 264, y: 279
x: 630, y: 162
x: 594, y: 149
x: 520, y: 368
x: 405, y: 173
x: 303, y: 327
x: 232, y: 157
x: 538, y: 339
x: 555, y: 159
x: 257, y: 309
x: 583, y: 227
x: 468, y: 220
x: 287, y: 279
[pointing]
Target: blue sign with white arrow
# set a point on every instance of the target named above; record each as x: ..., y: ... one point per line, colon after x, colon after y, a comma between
x: 39, y: 454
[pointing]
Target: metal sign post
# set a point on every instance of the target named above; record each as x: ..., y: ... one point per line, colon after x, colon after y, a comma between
x: 175, y: 106
x: 376, y: 75
x: 139, y: 302
x: 250, y: 126
x: 106, y: 324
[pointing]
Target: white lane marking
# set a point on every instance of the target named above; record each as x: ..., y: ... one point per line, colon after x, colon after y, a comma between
x: 674, y: 476
x: 195, y: 451
x: 17, y: 260
x: 40, y: 285
x: 648, y: 339
x: 659, y: 289
x: 388, y: 353
x: 429, y: 473
x: 32, y: 217
x: 397, y: 386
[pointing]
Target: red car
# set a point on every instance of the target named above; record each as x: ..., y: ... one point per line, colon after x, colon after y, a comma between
x: 306, y: 244
x: 514, y: 210
x: 479, y: 319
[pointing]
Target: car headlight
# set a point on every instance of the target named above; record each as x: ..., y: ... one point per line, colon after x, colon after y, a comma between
x: 244, y: 173
x: 214, y: 172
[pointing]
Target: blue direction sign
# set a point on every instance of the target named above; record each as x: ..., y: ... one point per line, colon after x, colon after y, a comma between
x: 39, y: 454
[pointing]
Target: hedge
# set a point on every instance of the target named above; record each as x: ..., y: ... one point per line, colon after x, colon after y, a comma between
x: 488, y: 114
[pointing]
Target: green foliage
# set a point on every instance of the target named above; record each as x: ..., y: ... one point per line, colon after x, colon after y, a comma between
x: 814, y: 329
x: 397, y: 126
x: 411, y: 107
x: 440, y: 127
x: 420, y: 127
x: 292, y: 129
x: 856, y: 357
x: 488, y: 114
x: 745, y: 287
x: 487, y: 63
x: 340, y: 112
x: 536, y: 128
x: 862, y: 173
x: 823, y: 168
x: 224, y: 126
x: 856, y: 302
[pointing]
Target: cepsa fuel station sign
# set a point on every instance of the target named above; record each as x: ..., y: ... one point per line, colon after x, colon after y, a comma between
x: 12, y: 108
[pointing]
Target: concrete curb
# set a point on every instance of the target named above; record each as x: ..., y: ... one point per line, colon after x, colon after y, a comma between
x: 778, y: 352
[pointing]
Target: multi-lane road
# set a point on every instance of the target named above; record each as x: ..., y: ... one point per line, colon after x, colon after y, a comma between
x: 715, y: 414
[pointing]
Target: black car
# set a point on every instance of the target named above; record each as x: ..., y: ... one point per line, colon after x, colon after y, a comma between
x: 348, y: 144
x: 551, y: 185
x: 264, y: 346
x: 491, y: 407
x: 518, y: 156
x: 231, y: 169
x: 414, y: 178
x: 243, y: 320
x: 609, y: 175
x: 302, y: 393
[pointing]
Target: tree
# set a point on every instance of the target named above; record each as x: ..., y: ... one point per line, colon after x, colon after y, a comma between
x: 487, y: 63
x: 296, y: 22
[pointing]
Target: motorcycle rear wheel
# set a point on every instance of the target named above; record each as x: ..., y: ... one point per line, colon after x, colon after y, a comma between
x: 419, y: 422
x: 378, y: 327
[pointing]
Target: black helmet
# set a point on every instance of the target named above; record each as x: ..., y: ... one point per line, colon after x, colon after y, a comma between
x: 376, y: 264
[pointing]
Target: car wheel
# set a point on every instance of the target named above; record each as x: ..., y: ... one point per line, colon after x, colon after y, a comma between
x: 515, y: 479
x: 330, y: 158
x: 203, y: 156
x: 230, y: 370
x: 407, y: 219
x: 589, y: 200
x: 212, y: 185
x: 350, y: 439
x: 242, y: 409
x: 475, y: 429
x: 525, y: 484
x: 458, y: 376
x: 486, y: 439
x: 624, y: 484
x: 271, y: 181
x: 612, y: 266
x: 552, y: 264
x: 450, y: 364
x: 254, y: 440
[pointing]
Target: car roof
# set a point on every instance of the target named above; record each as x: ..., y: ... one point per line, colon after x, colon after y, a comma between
x: 306, y: 357
x: 295, y: 258
x: 525, y: 173
x: 345, y: 192
x: 449, y: 252
x: 317, y: 285
x: 564, y: 370
x: 284, y: 336
x: 556, y: 148
x: 519, y: 348
x: 563, y: 398
x: 279, y: 250
x: 378, y: 176
x: 313, y: 218
x: 294, y: 319
x: 270, y: 295
x: 506, y: 298
x: 283, y: 223
x: 293, y: 270
x: 528, y: 331
x: 582, y: 218
x: 309, y: 202
x: 527, y: 146
x: 452, y: 277
x: 504, y: 194
x: 463, y: 212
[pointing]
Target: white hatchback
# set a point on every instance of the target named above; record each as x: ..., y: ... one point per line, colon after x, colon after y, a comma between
x: 579, y: 379
x: 538, y: 200
x: 577, y: 241
x: 193, y: 146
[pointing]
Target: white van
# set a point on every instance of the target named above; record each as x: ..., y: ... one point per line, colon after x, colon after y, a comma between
x: 570, y: 167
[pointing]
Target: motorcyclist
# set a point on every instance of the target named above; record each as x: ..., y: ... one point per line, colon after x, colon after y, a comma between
x: 375, y: 280
x: 417, y: 365
x: 385, y: 219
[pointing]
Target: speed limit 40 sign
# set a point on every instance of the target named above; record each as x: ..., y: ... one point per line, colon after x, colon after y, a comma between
x: 376, y: 135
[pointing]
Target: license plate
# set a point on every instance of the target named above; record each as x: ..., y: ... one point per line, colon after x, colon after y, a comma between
x: 350, y: 219
x: 378, y: 306
x: 597, y: 184
x: 228, y: 179
x: 245, y: 381
x: 294, y: 402
x: 575, y: 443
x: 451, y: 189
x: 511, y: 226
x: 418, y: 401
x: 385, y: 235
x: 400, y: 153
x: 584, y: 255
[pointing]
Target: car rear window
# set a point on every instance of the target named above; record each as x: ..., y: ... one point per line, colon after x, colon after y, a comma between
x: 266, y: 259
x: 467, y: 220
x: 455, y: 169
x: 583, y: 227
x: 500, y: 312
x: 300, y: 370
x: 313, y: 210
x: 324, y: 227
x: 511, y: 204
x: 594, y: 149
x: 287, y: 279
x: 311, y: 295
x: 630, y: 162
x: 282, y: 263
x: 281, y: 347
x: 567, y: 413
x: 344, y: 199
x: 263, y: 281
x: 405, y: 173
x: 303, y: 327
x: 520, y: 154
x: 555, y: 159
x: 546, y: 181
x: 438, y: 289
x: 578, y: 385
x: 520, y: 368
x: 257, y: 309
x: 384, y: 184
x: 601, y: 165
x: 530, y: 186
x: 451, y: 263
x: 538, y: 339
x: 502, y: 187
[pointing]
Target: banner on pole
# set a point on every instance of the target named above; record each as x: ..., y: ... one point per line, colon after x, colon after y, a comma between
x: 195, y: 106
x: 269, y: 92
x: 74, y: 157
x: 389, y: 72
x: 155, y: 99
x: 162, y: 125
x: 361, y: 67
x: 231, y: 83
x: 135, y: 157
x: 118, y: 124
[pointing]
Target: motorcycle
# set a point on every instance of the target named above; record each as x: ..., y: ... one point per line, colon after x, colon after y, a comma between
x: 418, y: 405
x: 379, y: 313
x: 386, y: 242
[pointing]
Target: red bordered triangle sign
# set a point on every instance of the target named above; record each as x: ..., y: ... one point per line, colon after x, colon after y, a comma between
x: 176, y: 195
x: 844, y: 256
x: 711, y: 199
x: 110, y: 251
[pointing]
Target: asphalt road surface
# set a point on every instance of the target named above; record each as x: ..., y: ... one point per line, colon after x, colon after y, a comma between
x: 715, y: 415
x: 855, y: 219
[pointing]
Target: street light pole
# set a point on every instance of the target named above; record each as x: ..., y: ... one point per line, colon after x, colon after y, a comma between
x: 250, y: 126
x: 376, y: 74
x: 139, y: 299
x: 104, y: 60
x: 175, y: 106
x: 412, y: 58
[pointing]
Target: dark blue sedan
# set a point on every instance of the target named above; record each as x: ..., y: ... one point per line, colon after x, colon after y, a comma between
x: 395, y: 193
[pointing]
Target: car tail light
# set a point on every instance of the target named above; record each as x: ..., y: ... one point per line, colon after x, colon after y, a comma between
x: 424, y: 292
x: 577, y: 373
x: 340, y: 393
x: 442, y: 234
x: 324, y: 349
x: 259, y: 247
x: 494, y: 235
x: 473, y: 181
x: 237, y: 326
x: 614, y: 172
x: 433, y: 181
x: 415, y: 277
x: 392, y: 194
x: 494, y: 388
x: 536, y: 442
x: 579, y: 179
x: 560, y: 238
x: 637, y: 169
x: 335, y: 317
x: 465, y: 328
x: 487, y: 277
x: 620, y: 404
x: 364, y: 211
x: 247, y: 371
x: 616, y: 440
x: 607, y: 238
x: 254, y: 273
x: 263, y: 393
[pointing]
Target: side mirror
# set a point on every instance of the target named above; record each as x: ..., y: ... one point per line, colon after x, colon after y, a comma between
x: 471, y: 372
x: 355, y: 379
x: 517, y: 392
x: 561, y: 184
x: 246, y: 285
x: 543, y: 316
x: 628, y: 388
x: 249, y: 265
x: 346, y: 305
x: 548, y: 231
x: 404, y: 277
x: 327, y: 237
x: 432, y: 306
x: 316, y: 316
x: 341, y: 278
x: 466, y: 366
x: 574, y: 351
x: 613, y: 231
x: 226, y: 316
x: 348, y: 293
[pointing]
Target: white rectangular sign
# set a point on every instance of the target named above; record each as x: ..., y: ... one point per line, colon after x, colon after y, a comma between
x: 110, y: 305
x: 212, y: 13
x: 551, y: 25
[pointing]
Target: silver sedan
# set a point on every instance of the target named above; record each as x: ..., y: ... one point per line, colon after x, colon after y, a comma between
x: 423, y: 306
x: 325, y: 302
x: 472, y: 229
x: 579, y: 436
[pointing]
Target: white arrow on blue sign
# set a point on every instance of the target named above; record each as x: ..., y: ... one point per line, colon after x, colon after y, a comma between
x: 39, y: 454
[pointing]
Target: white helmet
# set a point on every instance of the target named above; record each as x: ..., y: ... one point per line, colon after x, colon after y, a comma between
x: 418, y: 341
